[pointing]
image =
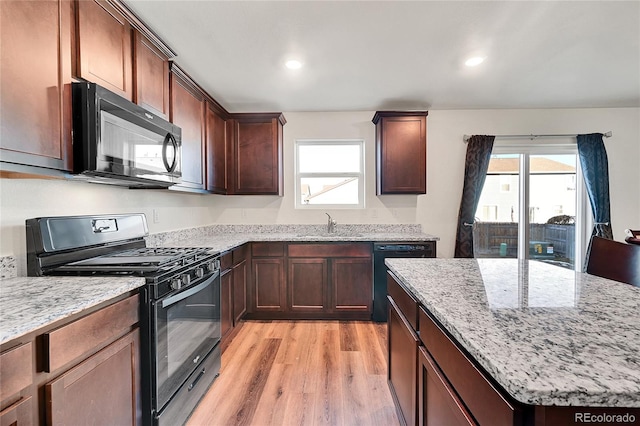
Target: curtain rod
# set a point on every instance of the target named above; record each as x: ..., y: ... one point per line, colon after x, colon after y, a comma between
x: 466, y: 138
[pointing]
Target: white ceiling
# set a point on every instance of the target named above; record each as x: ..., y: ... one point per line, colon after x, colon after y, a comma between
x: 375, y: 55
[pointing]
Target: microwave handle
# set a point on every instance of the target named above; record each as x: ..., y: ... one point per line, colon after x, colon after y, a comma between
x: 170, y: 139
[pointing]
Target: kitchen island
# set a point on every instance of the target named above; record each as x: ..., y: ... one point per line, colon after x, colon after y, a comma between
x: 541, y: 335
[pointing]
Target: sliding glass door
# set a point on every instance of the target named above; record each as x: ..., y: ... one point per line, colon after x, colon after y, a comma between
x: 530, y: 205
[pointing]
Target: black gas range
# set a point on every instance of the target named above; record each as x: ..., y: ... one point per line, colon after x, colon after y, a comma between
x: 180, y: 302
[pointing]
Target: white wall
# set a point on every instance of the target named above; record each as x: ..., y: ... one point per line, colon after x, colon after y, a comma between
x: 436, y: 211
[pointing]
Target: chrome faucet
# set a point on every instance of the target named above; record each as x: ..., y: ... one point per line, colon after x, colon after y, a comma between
x: 331, y: 224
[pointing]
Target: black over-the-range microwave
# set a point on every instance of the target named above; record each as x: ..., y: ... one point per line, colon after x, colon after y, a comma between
x: 118, y: 142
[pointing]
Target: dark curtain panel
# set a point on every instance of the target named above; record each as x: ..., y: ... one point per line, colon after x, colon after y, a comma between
x: 475, y: 172
x: 595, y: 168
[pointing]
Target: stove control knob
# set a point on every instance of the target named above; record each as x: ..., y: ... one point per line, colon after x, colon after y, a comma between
x: 199, y: 272
x: 176, y: 284
x: 186, y: 279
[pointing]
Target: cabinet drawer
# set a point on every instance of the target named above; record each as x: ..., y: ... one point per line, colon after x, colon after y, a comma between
x: 482, y: 399
x: 18, y: 414
x: 329, y: 250
x: 438, y: 403
x: 63, y: 345
x: 267, y: 249
x: 407, y: 304
x: 16, y: 370
x: 102, y: 389
x: 240, y: 253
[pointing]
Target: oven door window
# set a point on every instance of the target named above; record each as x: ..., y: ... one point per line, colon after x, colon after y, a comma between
x: 187, y: 327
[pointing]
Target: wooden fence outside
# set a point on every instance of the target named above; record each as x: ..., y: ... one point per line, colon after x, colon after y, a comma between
x: 490, y: 238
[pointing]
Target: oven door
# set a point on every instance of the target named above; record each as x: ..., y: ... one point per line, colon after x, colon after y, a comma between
x: 187, y: 328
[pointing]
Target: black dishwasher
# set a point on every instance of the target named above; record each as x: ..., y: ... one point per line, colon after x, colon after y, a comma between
x: 382, y: 251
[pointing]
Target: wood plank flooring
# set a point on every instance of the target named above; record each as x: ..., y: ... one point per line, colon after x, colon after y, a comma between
x: 301, y: 373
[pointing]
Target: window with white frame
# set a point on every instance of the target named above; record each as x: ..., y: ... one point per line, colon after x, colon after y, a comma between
x: 329, y: 174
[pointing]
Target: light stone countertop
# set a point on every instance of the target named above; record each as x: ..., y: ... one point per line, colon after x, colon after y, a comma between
x: 29, y: 303
x: 547, y: 335
x: 222, y: 238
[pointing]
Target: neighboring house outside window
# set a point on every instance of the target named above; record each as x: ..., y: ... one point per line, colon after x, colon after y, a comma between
x: 329, y: 174
x: 540, y: 180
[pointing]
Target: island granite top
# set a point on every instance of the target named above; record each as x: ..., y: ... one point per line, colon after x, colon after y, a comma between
x: 29, y: 303
x: 547, y: 335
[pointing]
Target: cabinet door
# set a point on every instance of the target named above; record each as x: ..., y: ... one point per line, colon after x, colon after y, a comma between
x: 217, y: 156
x: 268, y: 292
x: 187, y: 112
x: 226, y: 303
x: 403, y: 363
x: 352, y: 285
x: 105, y: 388
x: 35, y: 76
x: 401, y: 151
x: 239, y: 291
x: 257, y: 154
x: 16, y: 370
x: 151, y: 76
x: 307, y: 283
x: 438, y: 403
x: 18, y: 414
x: 104, y: 47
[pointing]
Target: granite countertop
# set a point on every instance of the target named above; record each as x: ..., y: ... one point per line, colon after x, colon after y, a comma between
x: 223, y: 238
x: 28, y: 303
x: 547, y: 335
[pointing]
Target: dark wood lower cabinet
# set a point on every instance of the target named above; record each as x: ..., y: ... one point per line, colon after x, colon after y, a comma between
x: 307, y: 285
x: 233, y: 292
x: 103, y: 389
x: 435, y: 382
x: 239, y: 291
x: 438, y: 403
x: 352, y: 285
x: 329, y: 280
x: 82, y: 369
x: 226, y: 303
x: 403, y: 363
x: 268, y: 290
x: 18, y: 414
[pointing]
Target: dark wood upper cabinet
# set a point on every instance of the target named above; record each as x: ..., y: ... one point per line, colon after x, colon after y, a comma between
x: 401, y: 152
x: 218, y: 147
x: 104, y: 51
x: 35, y: 75
x: 188, y: 112
x: 150, y: 76
x: 256, y: 146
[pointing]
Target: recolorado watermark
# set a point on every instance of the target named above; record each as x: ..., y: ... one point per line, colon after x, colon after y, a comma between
x: 587, y: 417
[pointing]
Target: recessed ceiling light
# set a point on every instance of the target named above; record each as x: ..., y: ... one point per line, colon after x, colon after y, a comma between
x: 475, y: 61
x: 293, y: 64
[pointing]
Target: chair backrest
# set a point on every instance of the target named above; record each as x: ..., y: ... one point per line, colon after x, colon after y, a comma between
x: 614, y: 260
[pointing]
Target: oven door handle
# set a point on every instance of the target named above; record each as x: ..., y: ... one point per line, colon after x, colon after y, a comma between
x: 189, y: 292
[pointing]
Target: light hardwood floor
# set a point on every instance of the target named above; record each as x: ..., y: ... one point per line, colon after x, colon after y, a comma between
x: 301, y: 373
